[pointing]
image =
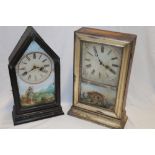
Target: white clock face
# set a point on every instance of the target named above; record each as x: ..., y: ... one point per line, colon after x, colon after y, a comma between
x: 34, y: 68
x: 101, y: 63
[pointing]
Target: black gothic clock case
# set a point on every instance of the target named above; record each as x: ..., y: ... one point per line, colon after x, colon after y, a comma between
x: 37, y: 112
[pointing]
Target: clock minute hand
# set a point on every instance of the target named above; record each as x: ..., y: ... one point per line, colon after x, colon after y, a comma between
x: 96, y: 54
x: 34, y: 67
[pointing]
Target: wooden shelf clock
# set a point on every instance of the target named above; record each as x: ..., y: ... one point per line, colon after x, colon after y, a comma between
x: 102, y: 65
x: 35, y: 78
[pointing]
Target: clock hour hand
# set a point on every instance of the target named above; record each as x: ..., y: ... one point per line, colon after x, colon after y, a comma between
x: 34, y: 67
x: 42, y: 69
x: 108, y: 68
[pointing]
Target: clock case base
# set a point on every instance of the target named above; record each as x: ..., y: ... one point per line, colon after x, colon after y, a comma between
x: 98, y: 118
x: 36, y: 115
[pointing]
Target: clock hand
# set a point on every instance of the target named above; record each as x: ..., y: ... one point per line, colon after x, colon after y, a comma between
x: 34, y: 67
x: 96, y: 54
x: 108, y: 68
x: 42, y: 69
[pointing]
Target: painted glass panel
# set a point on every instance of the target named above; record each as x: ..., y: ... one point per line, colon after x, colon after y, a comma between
x: 35, y: 77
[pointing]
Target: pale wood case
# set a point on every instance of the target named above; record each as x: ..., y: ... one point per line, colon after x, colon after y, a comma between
x: 112, y: 118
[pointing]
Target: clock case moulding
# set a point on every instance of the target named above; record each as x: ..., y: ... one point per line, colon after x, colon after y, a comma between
x: 118, y: 117
x: 24, y: 115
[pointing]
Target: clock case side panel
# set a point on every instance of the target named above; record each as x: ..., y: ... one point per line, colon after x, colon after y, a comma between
x: 132, y: 52
x: 123, y: 81
x: 29, y: 35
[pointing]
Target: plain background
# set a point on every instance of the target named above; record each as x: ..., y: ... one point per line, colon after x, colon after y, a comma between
x: 141, y: 95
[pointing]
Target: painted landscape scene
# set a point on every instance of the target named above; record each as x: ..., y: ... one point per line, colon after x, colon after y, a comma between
x: 97, y: 96
x: 43, y: 96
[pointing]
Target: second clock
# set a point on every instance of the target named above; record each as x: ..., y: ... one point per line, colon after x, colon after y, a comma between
x: 102, y: 63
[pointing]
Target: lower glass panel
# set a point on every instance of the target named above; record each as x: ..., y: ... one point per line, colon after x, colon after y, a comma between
x: 104, y: 97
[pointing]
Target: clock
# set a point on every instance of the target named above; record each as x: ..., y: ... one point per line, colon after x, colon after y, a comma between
x: 102, y: 65
x: 35, y: 78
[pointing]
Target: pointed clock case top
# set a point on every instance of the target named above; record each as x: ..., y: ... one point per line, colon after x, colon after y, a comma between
x: 24, y: 115
x: 28, y: 36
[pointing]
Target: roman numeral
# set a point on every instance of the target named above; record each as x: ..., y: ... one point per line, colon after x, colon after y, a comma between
x: 90, y: 53
x: 114, y: 58
x: 28, y: 58
x: 88, y: 66
x: 29, y: 77
x: 114, y: 65
x: 24, y: 63
x: 109, y: 52
x: 44, y: 60
x: 99, y: 75
x: 22, y: 68
x: 46, y: 65
x: 40, y: 56
x: 34, y: 55
x: 87, y: 59
x: 93, y: 71
x: 25, y: 73
x: 102, y: 49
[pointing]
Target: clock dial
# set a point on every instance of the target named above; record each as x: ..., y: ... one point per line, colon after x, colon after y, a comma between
x: 100, y: 69
x: 101, y: 63
x: 34, y: 67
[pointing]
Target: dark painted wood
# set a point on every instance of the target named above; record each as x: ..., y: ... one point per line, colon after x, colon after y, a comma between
x: 24, y: 115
